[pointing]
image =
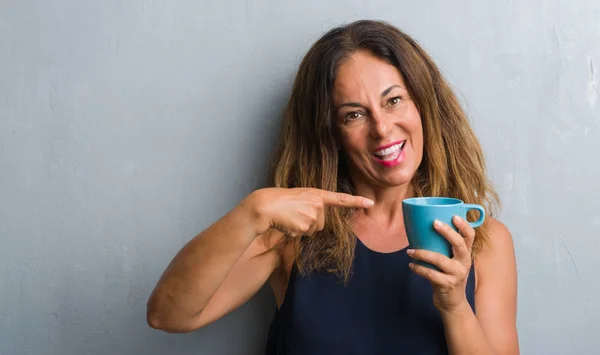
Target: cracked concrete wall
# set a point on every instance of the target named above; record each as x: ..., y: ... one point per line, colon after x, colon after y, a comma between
x: 128, y: 126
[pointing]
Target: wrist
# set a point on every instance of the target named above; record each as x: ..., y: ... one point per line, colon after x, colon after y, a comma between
x: 459, y: 310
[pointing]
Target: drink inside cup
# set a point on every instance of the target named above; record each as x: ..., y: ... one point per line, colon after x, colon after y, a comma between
x: 419, y: 215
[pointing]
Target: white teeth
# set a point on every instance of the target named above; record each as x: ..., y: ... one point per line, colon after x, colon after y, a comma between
x: 390, y: 150
x: 392, y: 156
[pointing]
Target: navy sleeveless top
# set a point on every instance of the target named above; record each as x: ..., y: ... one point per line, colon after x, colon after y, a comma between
x: 385, y: 308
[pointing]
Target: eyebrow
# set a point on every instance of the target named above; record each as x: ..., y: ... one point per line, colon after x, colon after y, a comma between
x: 383, y: 93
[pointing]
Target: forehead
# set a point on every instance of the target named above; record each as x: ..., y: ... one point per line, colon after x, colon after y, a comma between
x: 362, y: 75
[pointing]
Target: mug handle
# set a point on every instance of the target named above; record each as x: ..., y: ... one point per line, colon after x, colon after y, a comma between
x: 479, y: 221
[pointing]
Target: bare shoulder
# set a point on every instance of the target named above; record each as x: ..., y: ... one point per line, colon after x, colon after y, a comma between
x: 497, y: 253
x: 500, y: 240
x: 499, y: 229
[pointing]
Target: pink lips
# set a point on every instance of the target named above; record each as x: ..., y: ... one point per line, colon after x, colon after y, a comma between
x: 386, y: 146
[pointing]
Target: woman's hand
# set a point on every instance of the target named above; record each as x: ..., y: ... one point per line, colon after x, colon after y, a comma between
x: 450, y: 282
x: 298, y: 211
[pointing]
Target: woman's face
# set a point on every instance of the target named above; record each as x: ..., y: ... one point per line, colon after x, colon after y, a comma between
x: 379, y: 127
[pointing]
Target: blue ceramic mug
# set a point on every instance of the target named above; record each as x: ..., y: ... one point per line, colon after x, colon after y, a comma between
x: 420, y: 213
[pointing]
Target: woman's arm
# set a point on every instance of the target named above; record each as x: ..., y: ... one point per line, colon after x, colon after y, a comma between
x: 493, y: 330
x: 219, y: 269
x: 226, y: 264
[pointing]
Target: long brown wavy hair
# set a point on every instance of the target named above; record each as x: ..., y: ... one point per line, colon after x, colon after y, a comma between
x: 307, y: 154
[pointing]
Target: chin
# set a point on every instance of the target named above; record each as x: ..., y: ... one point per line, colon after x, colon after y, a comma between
x: 395, y: 182
x: 387, y: 177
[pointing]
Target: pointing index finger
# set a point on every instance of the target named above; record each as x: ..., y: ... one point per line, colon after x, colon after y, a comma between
x: 338, y: 199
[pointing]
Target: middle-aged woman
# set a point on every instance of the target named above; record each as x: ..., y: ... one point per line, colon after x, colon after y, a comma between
x: 370, y: 122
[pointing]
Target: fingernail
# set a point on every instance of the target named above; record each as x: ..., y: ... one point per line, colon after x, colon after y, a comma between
x: 369, y: 203
x: 459, y: 219
x: 410, y: 252
x: 411, y: 265
x: 437, y: 224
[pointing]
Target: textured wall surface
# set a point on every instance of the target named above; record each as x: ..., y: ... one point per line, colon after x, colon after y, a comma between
x: 128, y: 126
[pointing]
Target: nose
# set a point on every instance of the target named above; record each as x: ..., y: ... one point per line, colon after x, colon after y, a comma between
x: 380, y: 124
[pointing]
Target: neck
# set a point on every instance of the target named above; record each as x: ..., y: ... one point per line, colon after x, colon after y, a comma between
x: 388, y: 202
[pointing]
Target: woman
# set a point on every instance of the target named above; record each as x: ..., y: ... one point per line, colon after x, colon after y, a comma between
x: 370, y: 122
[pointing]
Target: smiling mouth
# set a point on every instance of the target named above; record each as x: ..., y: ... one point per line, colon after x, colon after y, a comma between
x: 390, y: 153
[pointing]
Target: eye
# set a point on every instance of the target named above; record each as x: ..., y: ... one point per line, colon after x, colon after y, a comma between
x: 353, y: 116
x: 394, y: 101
